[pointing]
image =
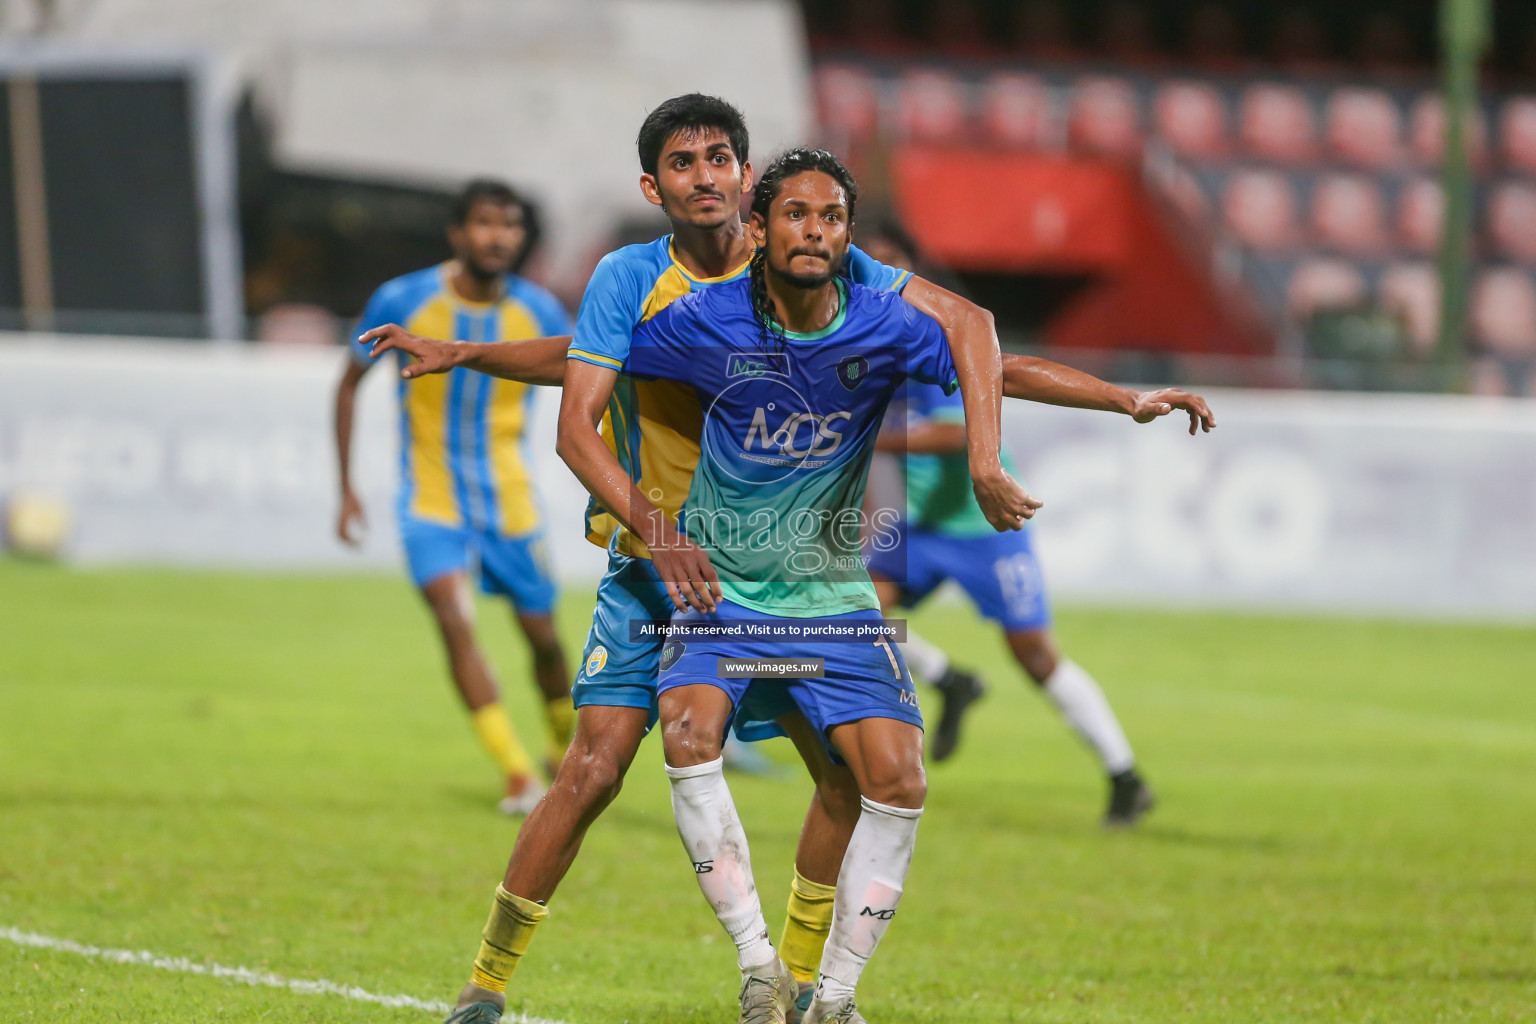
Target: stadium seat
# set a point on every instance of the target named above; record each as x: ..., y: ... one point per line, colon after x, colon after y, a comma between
x: 1348, y: 214
x: 931, y: 107
x: 1277, y: 123
x: 1517, y: 132
x: 1016, y: 110
x: 1260, y: 208
x: 1504, y: 311
x: 849, y: 100
x: 1364, y: 127
x: 1192, y: 117
x: 1323, y: 284
x: 1420, y: 215
x: 1411, y: 291
x: 1183, y: 189
x: 1426, y: 129
x: 1512, y: 220
x: 1104, y: 118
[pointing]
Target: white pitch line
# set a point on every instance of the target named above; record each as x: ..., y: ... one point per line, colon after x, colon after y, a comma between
x: 243, y: 975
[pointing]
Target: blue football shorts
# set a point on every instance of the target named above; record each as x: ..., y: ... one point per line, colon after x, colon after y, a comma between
x: 999, y: 572
x: 513, y: 567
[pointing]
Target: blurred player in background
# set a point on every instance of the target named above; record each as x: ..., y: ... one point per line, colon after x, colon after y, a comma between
x: 944, y: 536
x: 467, y: 502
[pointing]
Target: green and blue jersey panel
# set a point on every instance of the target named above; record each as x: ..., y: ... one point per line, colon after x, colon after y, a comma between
x: 939, y: 494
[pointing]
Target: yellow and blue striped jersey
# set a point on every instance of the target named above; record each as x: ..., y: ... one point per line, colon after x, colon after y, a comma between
x: 463, y: 457
x: 653, y: 426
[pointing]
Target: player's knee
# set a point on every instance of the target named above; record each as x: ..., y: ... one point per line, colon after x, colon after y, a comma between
x: 685, y: 744
x: 905, y: 786
x: 1035, y: 654
x: 589, y: 778
x: 838, y: 795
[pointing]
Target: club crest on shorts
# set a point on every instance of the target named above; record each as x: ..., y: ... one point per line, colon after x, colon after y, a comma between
x: 852, y: 371
x: 671, y: 652
x: 597, y: 659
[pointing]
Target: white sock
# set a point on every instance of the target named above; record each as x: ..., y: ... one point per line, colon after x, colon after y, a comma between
x: 924, y: 658
x: 717, y: 844
x: 1085, y: 708
x: 868, y: 890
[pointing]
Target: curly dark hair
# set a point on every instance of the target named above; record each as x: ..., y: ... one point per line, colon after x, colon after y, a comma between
x: 784, y: 167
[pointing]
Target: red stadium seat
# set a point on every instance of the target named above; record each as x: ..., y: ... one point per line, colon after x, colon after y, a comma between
x: 1512, y: 220
x: 931, y: 107
x: 1427, y: 132
x: 1411, y: 291
x: 1260, y: 208
x: 1504, y: 311
x: 849, y: 100
x: 1420, y: 215
x: 1323, y: 284
x: 1104, y: 117
x: 1016, y: 110
x: 1517, y: 132
x: 1193, y: 118
x: 1348, y: 214
x: 1364, y: 127
x: 1277, y: 123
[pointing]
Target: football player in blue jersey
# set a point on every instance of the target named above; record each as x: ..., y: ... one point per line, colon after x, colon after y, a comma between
x: 467, y: 501
x: 943, y: 536
x: 693, y: 158
x: 795, y: 366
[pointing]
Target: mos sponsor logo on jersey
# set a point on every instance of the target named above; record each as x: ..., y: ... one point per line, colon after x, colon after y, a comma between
x: 757, y: 364
x: 799, y: 435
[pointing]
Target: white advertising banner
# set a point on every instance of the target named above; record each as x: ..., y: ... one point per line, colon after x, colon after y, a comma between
x: 220, y: 456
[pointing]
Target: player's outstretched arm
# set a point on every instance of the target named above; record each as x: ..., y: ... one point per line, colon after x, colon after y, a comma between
x: 1041, y: 380
x: 973, y: 346
x: 682, y: 565
x: 534, y: 361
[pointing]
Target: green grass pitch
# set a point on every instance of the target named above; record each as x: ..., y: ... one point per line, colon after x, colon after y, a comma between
x: 270, y: 771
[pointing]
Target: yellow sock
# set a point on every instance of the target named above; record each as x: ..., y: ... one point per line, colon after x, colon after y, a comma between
x: 806, y: 927
x: 561, y: 715
x: 505, y: 939
x: 495, y: 731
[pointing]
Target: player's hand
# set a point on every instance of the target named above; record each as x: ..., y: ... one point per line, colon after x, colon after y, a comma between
x: 1152, y: 404
x: 684, y: 567
x: 430, y: 356
x: 350, y: 521
x: 1003, y: 499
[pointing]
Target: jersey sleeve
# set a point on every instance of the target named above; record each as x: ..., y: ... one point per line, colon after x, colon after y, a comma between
x: 928, y: 358
x: 605, y: 323
x: 934, y: 405
x: 661, y: 349
x: 383, y: 308
x: 864, y: 269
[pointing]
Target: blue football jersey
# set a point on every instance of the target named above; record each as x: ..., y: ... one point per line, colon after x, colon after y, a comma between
x: 789, y: 425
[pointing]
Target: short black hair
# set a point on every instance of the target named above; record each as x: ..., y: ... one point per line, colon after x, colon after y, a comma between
x: 693, y: 112
x: 483, y: 190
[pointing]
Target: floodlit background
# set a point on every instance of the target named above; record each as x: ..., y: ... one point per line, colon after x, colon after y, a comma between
x: 1316, y: 621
